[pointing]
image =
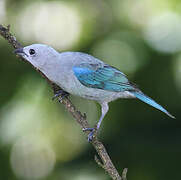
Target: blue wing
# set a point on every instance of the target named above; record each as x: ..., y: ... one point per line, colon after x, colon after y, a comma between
x: 102, y: 77
x: 109, y: 78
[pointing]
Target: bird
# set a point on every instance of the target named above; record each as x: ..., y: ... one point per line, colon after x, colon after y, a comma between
x: 84, y: 75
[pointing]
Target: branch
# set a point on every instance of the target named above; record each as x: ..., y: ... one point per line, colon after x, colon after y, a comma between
x: 106, y: 163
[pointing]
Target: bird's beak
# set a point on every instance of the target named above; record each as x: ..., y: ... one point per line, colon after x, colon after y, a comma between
x: 20, y: 52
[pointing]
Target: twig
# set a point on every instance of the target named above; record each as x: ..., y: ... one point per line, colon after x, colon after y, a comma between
x: 124, y: 173
x: 106, y: 164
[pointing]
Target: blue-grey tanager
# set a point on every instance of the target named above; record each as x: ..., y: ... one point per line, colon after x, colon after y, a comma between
x: 83, y: 75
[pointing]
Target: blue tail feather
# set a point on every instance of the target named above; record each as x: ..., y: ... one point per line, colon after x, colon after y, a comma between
x: 151, y: 102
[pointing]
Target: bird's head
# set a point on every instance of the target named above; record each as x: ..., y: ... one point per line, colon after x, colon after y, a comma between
x: 39, y: 55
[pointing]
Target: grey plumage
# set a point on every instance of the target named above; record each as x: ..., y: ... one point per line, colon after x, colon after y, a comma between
x: 83, y: 75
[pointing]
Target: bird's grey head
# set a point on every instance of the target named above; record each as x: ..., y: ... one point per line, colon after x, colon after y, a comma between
x: 39, y: 55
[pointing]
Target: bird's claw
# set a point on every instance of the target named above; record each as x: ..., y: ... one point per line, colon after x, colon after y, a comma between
x: 54, y: 97
x: 60, y: 95
x: 87, y: 129
x: 91, y: 134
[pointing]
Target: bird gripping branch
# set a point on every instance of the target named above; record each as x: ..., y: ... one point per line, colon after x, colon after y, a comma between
x: 83, y: 75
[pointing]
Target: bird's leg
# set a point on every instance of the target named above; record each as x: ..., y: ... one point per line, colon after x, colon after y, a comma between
x: 105, y: 109
x: 60, y: 95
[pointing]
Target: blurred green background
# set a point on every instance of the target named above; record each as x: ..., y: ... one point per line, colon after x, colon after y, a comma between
x: 40, y: 140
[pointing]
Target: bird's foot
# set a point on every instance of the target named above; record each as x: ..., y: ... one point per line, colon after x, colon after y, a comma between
x: 91, y: 134
x: 61, y: 94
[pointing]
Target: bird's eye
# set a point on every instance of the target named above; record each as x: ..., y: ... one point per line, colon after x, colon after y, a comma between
x: 32, y: 51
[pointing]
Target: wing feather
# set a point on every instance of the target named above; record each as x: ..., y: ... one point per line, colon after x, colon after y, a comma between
x: 102, y: 77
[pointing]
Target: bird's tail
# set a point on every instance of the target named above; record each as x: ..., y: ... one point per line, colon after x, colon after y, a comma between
x: 151, y: 102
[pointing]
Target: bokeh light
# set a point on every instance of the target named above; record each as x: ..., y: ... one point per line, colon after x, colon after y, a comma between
x: 32, y: 114
x: 163, y: 32
x: 55, y: 23
x: 118, y: 53
x: 85, y: 174
x: 177, y: 71
x: 122, y: 50
x: 32, y: 158
x: 2, y: 11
